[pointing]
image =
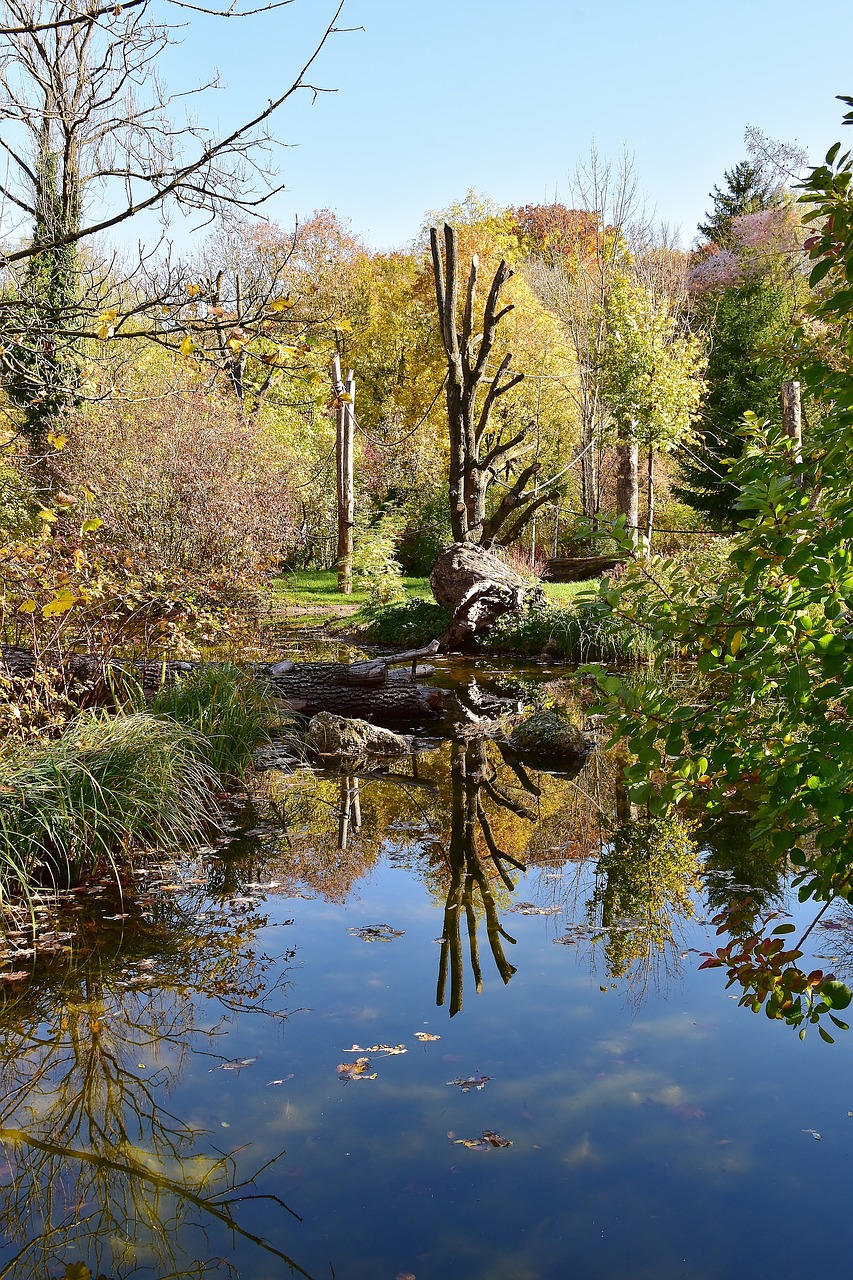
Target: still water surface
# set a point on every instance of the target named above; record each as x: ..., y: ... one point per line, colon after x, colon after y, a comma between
x: 657, y: 1130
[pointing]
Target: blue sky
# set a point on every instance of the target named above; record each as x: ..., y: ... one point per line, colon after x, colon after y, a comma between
x: 437, y: 97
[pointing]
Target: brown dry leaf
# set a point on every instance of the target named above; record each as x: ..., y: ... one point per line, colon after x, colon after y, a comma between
x: 357, y: 1070
x: 425, y: 1037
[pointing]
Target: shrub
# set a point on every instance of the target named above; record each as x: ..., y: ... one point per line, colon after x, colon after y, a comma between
x: 407, y: 623
x: 186, y: 480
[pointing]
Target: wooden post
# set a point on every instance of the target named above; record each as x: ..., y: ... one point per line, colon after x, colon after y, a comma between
x: 345, y: 433
x: 792, y: 416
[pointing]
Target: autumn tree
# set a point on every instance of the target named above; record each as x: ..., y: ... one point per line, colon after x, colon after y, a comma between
x: 651, y: 383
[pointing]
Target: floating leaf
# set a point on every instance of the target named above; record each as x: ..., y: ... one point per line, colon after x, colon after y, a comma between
x: 283, y: 1080
x: 530, y: 909
x: 425, y: 1036
x: 357, y: 1070
x: 470, y: 1082
x: 817, y: 1137
x: 76, y: 1271
x: 237, y: 1065
x: 388, y: 1049
x: 376, y: 933
x: 485, y: 1143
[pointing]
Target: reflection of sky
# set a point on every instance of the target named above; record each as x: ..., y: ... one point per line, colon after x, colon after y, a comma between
x: 656, y: 1138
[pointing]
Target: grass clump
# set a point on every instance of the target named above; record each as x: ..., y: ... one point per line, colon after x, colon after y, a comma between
x: 408, y: 623
x: 228, y: 710
x: 107, y: 785
x: 110, y: 784
x: 582, y: 631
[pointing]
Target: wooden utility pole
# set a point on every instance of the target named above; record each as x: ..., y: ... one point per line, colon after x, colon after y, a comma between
x: 345, y: 432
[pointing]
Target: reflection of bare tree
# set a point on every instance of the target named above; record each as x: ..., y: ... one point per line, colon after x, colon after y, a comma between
x: 96, y: 1167
x: 473, y: 779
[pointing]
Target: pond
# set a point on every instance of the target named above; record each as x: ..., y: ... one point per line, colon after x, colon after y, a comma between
x: 441, y: 1020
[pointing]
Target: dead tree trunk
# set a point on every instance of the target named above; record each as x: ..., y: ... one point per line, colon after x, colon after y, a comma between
x: 473, y: 464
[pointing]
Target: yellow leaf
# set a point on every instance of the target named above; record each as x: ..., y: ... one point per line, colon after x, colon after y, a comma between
x: 104, y: 324
x: 281, y: 304
x: 28, y: 606
x: 60, y: 603
x: 57, y: 439
x: 48, y: 517
x: 343, y: 326
x: 89, y: 526
x: 284, y: 353
x: 737, y: 641
x: 345, y: 398
x: 187, y: 346
x: 193, y: 290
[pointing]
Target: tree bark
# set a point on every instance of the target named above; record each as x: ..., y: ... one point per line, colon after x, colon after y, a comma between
x: 628, y: 485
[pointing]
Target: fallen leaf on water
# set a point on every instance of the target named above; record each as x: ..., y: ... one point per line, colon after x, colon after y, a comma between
x: 531, y: 909
x: 485, y: 1143
x: 376, y: 933
x: 689, y: 1112
x: 283, y: 1080
x: 387, y: 1049
x: 425, y: 1037
x: 817, y: 1137
x: 355, y: 1070
x: 238, y: 1065
x: 470, y: 1082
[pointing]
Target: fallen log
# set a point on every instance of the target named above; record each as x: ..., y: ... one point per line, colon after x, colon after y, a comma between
x: 371, y: 689
x: 579, y: 568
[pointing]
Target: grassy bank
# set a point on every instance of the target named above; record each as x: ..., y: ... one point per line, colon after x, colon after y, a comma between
x: 112, y: 784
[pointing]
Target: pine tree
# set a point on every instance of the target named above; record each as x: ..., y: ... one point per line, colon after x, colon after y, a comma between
x: 748, y: 191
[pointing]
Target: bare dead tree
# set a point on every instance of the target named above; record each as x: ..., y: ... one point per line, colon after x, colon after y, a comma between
x: 479, y: 450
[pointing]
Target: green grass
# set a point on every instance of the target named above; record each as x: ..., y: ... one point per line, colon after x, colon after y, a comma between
x: 107, y: 785
x: 317, y: 588
x: 564, y: 592
x: 111, y: 784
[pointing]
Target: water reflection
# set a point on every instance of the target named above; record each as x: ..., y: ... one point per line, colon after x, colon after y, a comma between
x: 97, y: 1171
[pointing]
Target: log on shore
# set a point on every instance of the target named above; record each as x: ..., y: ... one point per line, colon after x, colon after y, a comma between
x: 579, y: 568
x: 371, y: 689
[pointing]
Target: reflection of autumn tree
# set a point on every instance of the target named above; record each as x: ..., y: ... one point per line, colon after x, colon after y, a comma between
x: 96, y: 1167
x: 332, y: 827
x: 645, y: 882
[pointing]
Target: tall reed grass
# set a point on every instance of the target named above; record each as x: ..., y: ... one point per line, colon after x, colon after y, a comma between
x: 110, y: 784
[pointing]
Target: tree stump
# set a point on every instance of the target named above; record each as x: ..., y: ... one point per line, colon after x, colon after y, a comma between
x: 477, y: 588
